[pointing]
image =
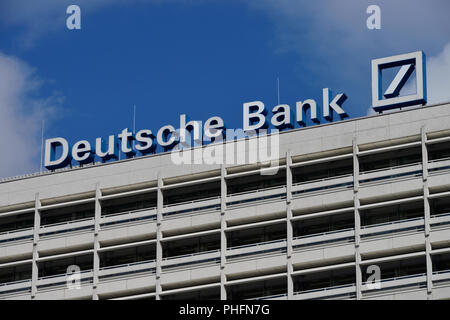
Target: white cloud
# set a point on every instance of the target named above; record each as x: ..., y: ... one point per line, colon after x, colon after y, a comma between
x: 21, y: 112
x: 438, y: 77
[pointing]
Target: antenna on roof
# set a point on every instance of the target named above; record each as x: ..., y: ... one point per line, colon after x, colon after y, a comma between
x: 134, y: 123
x: 42, y: 145
x: 134, y: 119
x: 278, y: 89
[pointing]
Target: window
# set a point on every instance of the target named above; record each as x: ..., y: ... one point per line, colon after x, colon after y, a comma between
x: 390, y: 159
x: 130, y: 203
x: 322, y: 170
x: 17, y: 273
x: 257, y: 289
x: 392, y: 213
x: 127, y: 255
x: 441, y: 262
x: 256, y: 182
x: 65, y: 214
x: 256, y: 235
x: 324, y: 279
x: 438, y: 151
x: 399, y: 268
x: 16, y: 222
x: 191, y: 245
x: 440, y: 206
x: 204, y: 294
x: 192, y: 193
x: 324, y: 224
x: 59, y: 266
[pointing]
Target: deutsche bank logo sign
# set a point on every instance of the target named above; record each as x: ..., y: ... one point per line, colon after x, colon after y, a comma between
x: 391, y: 98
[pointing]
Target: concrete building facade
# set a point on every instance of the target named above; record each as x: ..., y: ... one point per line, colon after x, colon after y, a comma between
x: 350, y: 200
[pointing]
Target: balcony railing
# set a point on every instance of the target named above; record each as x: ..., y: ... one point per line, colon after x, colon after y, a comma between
x: 60, y: 280
x: 322, y: 179
x: 256, y: 195
x: 393, y: 227
x: 365, y: 285
x: 5, y: 284
x: 127, y: 264
x: 323, y: 233
x: 127, y: 269
x: 441, y: 219
x: 16, y: 235
x: 152, y: 217
x: 190, y: 202
x: 13, y: 287
x: 127, y: 212
x: 434, y: 165
x: 62, y: 275
x: 322, y: 187
x: 51, y: 233
x: 391, y: 223
x: 191, y: 264
x: 344, y: 235
x: 326, y: 290
x: 258, y: 249
x: 65, y: 223
x: 194, y: 254
x: 441, y: 277
x: 253, y: 245
x: 270, y: 297
x: 15, y: 231
x: 388, y: 174
x: 255, y: 191
x: 191, y: 211
x: 441, y: 271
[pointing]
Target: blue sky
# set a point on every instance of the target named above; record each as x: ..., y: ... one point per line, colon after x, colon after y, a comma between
x: 201, y: 58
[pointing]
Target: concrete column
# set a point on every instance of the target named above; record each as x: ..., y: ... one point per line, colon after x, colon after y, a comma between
x: 223, y: 236
x: 159, y: 254
x: 97, y: 216
x: 34, y: 266
x: 289, y: 235
x: 426, y: 206
x: 356, y: 205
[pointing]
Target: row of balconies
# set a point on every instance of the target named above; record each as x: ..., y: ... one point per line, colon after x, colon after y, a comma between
x: 139, y: 225
x: 407, y: 287
x: 131, y: 227
x: 261, y: 202
x: 251, y: 260
x: 310, y: 188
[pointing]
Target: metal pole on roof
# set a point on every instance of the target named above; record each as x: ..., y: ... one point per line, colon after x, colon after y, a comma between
x: 134, y: 119
x: 134, y: 123
x: 278, y: 89
x: 42, y: 146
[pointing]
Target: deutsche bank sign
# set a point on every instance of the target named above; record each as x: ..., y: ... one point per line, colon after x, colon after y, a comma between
x: 256, y: 119
x: 59, y: 153
x: 391, y: 98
